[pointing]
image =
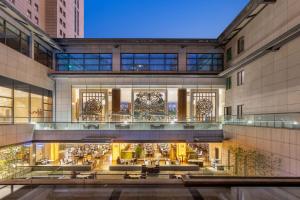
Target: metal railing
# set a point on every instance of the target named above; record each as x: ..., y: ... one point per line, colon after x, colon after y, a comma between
x: 272, y: 120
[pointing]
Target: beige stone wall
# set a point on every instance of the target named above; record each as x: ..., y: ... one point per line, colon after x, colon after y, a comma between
x: 17, y: 66
x: 283, y: 144
x: 15, y: 134
x: 272, y: 82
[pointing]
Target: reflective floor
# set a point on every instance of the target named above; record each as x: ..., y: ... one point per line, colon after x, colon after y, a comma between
x: 151, y: 192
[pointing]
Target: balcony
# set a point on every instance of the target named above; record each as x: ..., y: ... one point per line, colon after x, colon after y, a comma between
x: 171, y: 126
x: 129, y: 132
x: 272, y: 120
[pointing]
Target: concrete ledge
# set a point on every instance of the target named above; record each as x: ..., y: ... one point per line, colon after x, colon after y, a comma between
x: 15, y: 134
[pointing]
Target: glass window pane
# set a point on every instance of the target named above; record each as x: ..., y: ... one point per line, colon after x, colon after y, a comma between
x: 127, y: 56
x: 5, y: 115
x: 91, y: 67
x: 21, y: 106
x: 141, y: 56
x: 127, y: 61
x: 76, y: 61
x: 91, y: 62
x: 106, y: 67
x: 127, y: 67
x: 194, y: 56
x: 63, y: 67
x: 76, y: 67
x: 191, y: 61
x: 62, y: 55
x: 5, y: 92
x: 171, y: 61
x: 157, y: 61
x: 105, y: 61
x: 62, y: 61
x: 91, y: 56
x: 74, y: 56
x: 106, y: 56
x: 37, y: 112
x: 171, y: 56
x: 5, y: 102
x: 141, y: 61
x: 157, y: 56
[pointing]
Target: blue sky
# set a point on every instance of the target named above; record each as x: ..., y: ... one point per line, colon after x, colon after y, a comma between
x: 159, y: 18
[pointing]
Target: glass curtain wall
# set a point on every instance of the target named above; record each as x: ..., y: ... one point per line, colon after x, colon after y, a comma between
x: 84, y: 62
x: 23, y: 103
x: 13, y: 37
x: 144, y: 104
x: 149, y: 62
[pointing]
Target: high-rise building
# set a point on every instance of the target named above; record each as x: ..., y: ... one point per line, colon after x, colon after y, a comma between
x: 58, y: 18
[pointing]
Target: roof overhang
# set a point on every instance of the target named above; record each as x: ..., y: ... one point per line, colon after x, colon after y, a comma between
x: 23, y: 21
x: 253, y: 8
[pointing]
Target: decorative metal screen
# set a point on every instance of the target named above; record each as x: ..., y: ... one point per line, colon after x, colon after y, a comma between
x: 149, y: 105
x: 93, y: 106
x: 204, y: 106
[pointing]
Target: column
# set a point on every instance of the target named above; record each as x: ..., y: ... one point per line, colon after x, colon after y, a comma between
x: 116, y: 59
x: 182, y: 60
x: 116, y: 102
x: 182, y: 104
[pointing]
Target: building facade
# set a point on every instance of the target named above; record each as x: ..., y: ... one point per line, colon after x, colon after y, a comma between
x: 58, y: 18
x: 228, y: 104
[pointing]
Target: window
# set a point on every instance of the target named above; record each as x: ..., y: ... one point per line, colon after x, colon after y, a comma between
x: 84, y: 62
x: 42, y: 55
x: 23, y: 103
x: 228, y: 83
x: 240, y: 111
x: 229, y: 54
x: 29, y: 14
x: 240, y: 77
x: 227, y: 111
x: 241, y: 45
x: 36, y: 20
x: 36, y: 7
x: 13, y: 37
x: 16, y: 39
x: 205, y: 62
x: 6, y: 101
x: 148, y: 62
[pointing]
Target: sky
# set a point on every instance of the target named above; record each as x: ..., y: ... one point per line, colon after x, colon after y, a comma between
x: 159, y: 18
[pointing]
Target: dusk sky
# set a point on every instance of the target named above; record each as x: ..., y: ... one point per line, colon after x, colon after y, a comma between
x: 159, y: 18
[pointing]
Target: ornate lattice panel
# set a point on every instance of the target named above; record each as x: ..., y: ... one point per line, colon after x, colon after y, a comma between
x: 93, y: 106
x: 149, y: 105
x: 204, y: 106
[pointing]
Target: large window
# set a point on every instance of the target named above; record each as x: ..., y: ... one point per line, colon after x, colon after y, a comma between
x: 228, y: 83
x: 42, y: 55
x: 84, y: 62
x: 6, y: 101
x: 23, y: 103
x: 149, y: 62
x: 13, y: 37
x: 241, y: 45
x: 240, y: 78
x: 205, y: 62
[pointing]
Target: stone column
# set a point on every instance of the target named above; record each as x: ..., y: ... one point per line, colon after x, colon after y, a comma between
x: 182, y: 104
x: 116, y: 59
x: 182, y: 60
x: 116, y: 102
